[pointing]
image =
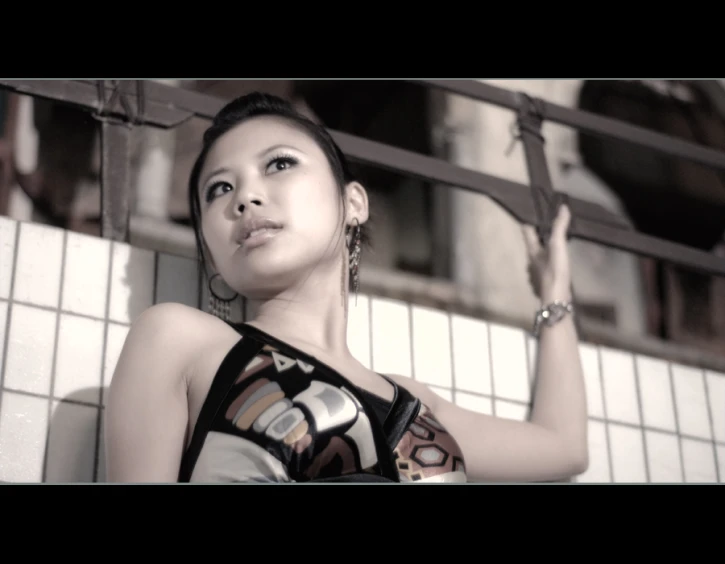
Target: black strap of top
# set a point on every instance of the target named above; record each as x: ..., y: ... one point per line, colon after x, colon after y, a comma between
x: 404, y: 410
x: 245, y: 350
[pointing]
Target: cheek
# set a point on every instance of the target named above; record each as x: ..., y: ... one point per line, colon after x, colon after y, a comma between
x: 315, y: 205
x: 214, y: 235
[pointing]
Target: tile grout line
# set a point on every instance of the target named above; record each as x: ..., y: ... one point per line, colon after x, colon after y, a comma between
x: 451, y: 346
x: 638, y: 391
x: 54, y: 363
x: 52, y: 398
x: 677, y: 420
x: 101, y: 399
x: 6, y: 339
x: 60, y: 310
x: 607, y: 435
x: 490, y: 368
x: 718, y: 475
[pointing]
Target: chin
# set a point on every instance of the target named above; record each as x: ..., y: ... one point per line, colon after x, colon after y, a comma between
x: 269, y: 274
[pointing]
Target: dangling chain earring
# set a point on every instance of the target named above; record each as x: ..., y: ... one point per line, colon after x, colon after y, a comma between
x: 219, y: 306
x: 355, y: 252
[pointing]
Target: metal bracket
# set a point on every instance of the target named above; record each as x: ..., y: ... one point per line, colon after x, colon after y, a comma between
x: 527, y: 128
x: 129, y: 114
x: 115, y: 126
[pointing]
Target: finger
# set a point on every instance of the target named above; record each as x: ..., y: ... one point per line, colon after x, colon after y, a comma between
x: 531, y: 240
x: 561, y: 224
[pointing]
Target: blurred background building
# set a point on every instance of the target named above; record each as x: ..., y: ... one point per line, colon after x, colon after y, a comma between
x: 453, y: 247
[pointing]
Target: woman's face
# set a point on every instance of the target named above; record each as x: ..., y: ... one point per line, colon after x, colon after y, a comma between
x: 271, y: 210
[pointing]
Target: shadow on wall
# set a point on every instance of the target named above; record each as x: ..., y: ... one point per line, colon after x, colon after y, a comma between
x: 139, y: 278
x: 75, y: 447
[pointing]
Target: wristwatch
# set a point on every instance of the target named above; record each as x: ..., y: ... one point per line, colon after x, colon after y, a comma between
x: 551, y: 314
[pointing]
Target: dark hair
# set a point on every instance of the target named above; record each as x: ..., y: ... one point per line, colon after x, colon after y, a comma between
x: 254, y: 105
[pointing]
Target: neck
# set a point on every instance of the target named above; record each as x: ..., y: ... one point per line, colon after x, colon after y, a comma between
x: 313, y: 314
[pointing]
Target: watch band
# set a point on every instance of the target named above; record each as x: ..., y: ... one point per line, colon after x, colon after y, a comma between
x: 551, y: 314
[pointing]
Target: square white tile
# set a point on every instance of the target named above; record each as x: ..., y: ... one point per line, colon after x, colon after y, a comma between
x: 80, y: 359
x: 85, y: 278
x: 8, y: 228
x: 699, y: 459
x: 177, y: 280
x: 658, y: 406
x: 471, y: 359
x: 392, y: 352
x: 510, y: 410
x: 509, y: 363
x: 474, y: 403
x: 432, y: 347
x: 115, y: 339
x: 598, y: 471
x: 38, y: 266
x: 620, y: 387
x: 716, y: 395
x: 71, y: 443
x: 720, y: 450
x: 29, y: 363
x: 132, y: 282
x: 358, y: 329
x: 627, y: 448
x: 663, y: 455
x: 589, y: 355
x: 23, y: 433
x: 692, y: 409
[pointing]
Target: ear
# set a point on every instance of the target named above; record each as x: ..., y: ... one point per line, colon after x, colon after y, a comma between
x: 356, y: 200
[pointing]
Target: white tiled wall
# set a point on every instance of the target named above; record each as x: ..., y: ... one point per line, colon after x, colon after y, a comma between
x: 67, y: 300
x: 66, y: 303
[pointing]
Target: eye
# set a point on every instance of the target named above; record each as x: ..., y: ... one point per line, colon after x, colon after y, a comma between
x: 280, y: 163
x: 217, y: 189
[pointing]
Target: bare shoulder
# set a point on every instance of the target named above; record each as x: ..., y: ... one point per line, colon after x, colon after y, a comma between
x: 147, y: 411
x: 170, y: 333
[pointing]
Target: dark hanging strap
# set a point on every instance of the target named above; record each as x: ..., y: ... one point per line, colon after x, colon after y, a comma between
x: 403, y: 412
x: 235, y: 361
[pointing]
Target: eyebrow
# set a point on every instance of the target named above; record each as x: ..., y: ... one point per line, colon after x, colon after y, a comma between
x: 279, y: 146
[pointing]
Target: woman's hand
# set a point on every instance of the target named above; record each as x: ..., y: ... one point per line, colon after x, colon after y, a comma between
x: 549, y: 271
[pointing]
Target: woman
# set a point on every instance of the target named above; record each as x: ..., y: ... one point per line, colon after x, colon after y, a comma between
x: 280, y: 220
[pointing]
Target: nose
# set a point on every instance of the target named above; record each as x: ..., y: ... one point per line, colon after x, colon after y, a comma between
x: 246, y: 197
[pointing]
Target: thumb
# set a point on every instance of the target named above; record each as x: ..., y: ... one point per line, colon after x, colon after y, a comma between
x: 561, y: 224
x: 531, y: 240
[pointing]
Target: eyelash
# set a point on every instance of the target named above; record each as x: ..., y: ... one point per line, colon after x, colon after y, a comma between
x: 280, y: 158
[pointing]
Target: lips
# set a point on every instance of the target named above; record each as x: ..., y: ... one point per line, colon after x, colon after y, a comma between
x: 256, y: 228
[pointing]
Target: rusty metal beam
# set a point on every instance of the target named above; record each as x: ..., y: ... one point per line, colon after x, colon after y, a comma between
x: 115, y: 180
x: 589, y: 221
x: 168, y: 106
x: 586, y: 121
x: 514, y: 197
x: 158, y: 111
